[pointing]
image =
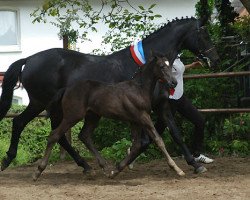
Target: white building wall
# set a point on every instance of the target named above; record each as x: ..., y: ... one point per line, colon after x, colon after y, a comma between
x: 37, y: 37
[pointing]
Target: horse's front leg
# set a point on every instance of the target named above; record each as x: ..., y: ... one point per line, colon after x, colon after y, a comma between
x: 166, y: 119
x: 151, y: 131
x: 90, y: 123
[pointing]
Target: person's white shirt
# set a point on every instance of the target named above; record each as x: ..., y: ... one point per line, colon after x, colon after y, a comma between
x: 178, y: 71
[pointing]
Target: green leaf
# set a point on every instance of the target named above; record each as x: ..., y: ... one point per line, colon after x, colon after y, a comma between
x: 152, y: 6
x: 141, y: 7
x: 157, y: 16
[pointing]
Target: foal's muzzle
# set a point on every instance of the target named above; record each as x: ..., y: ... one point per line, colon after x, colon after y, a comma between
x: 172, y: 83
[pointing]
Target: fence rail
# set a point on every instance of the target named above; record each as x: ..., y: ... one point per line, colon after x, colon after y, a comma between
x: 217, y: 75
x: 210, y: 110
x: 225, y: 110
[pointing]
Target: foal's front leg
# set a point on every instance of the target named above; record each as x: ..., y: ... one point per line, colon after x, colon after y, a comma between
x: 166, y: 119
x: 151, y: 131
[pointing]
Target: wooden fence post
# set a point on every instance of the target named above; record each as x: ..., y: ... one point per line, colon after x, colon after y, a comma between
x: 68, y: 133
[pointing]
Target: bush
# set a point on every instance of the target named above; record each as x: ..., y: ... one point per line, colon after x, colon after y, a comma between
x: 234, y: 137
x: 228, y: 136
x: 32, y: 141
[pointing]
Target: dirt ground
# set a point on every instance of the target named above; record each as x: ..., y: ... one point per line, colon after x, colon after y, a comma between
x: 226, y: 179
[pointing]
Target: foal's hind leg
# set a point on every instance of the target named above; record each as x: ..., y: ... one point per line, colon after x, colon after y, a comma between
x: 151, y: 131
x: 52, y: 140
x: 136, y: 145
x: 19, y: 123
x: 56, y: 117
x: 90, y: 123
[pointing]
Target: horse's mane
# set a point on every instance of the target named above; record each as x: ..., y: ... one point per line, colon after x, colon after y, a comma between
x: 169, y: 24
x: 163, y: 27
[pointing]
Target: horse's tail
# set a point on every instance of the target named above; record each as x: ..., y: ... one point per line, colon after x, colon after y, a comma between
x: 11, y: 77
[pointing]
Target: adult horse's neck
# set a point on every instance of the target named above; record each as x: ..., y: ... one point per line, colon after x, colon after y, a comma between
x: 169, y: 38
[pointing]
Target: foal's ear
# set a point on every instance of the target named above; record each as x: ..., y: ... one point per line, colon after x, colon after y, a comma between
x: 152, y: 53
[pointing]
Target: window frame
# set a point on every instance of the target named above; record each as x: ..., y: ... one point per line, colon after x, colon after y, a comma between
x: 17, y: 100
x: 16, y: 47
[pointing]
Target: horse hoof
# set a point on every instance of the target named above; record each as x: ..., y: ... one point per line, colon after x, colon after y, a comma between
x: 5, y: 163
x: 131, y: 166
x: 35, y: 176
x: 89, y: 174
x: 87, y: 170
x: 200, y: 170
x: 181, y: 173
x: 113, y: 174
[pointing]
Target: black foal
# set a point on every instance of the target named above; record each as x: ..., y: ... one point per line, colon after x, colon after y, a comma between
x: 129, y: 101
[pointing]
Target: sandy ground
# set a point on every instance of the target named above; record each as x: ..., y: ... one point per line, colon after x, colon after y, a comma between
x: 226, y: 179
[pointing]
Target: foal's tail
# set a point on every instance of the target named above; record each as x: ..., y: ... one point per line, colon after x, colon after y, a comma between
x: 55, y: 103
x: 11, y: 77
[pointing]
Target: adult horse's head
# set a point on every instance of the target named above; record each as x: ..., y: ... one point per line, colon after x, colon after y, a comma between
x: 198, y: 41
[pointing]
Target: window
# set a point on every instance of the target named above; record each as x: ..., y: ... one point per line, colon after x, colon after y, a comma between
x: 17, y: 100
x: 9, y: 31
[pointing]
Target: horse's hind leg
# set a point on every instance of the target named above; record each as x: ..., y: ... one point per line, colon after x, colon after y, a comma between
x: 134, y: 150
x: 151, y: 131
x: 90, y: 123
x: 19, y: 123
x: 52, y: 140
x: 56, y: 117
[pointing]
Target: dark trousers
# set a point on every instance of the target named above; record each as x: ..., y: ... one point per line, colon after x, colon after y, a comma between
x: 187, y: 110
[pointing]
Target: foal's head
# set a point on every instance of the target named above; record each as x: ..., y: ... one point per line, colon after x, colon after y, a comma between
x: 163, y: 70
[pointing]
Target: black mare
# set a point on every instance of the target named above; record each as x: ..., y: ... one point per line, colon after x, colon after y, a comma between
x: 46, y: 72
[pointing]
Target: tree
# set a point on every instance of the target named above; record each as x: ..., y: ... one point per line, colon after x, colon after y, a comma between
x: 226, y: 16
x: 76, y: 19
x: 204, y: 9
x: 126, y: 27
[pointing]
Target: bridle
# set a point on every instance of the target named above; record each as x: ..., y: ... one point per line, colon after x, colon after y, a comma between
x: 202, y: 53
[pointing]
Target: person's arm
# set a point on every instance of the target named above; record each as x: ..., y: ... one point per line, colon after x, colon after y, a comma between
x: 193, y: 65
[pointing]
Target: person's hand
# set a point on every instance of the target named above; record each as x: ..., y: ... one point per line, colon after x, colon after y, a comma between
x: 197, y: 64
x: 194, y: 64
